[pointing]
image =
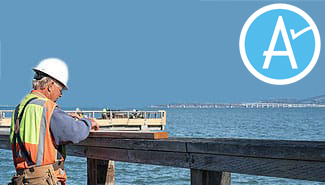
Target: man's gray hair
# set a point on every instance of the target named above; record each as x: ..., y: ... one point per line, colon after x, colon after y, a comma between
x: 42, y: 83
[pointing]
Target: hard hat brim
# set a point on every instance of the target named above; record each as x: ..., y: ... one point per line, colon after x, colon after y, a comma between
x: 65, y: 87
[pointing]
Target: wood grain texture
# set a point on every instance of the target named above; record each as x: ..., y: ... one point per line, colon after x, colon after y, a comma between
x: 203, y: 177
x: 129, y: 134
x: 174, y: 159
x: 280, y: 149
x: 136, y: 144
x: 294, y: 169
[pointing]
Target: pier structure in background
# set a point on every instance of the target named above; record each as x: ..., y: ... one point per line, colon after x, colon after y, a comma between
x: 211, y: 160
x: 112, y: 119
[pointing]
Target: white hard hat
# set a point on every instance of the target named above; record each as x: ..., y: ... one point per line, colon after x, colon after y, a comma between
x: 55, y: 68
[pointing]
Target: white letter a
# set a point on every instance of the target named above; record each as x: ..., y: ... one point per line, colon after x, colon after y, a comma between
x: 279, y: 27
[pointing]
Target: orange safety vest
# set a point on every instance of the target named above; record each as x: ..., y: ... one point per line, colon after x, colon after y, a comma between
x: 34, y: 132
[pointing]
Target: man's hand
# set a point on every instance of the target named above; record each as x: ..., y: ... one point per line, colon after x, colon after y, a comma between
x: 74, y: 115
x: 94, y: 124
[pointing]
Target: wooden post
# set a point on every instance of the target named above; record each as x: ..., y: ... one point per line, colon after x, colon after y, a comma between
x: 110, y: 175
x: 100, y: 172
x: 203, y: 177
x: 91, y: 171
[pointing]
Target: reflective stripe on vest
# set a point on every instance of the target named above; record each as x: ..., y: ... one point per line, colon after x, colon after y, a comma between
x: 35, y: 132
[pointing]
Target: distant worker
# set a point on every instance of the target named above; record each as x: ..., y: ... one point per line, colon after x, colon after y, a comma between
x: 80, y: 113
x: 104, y: 114
x: 39, y: 128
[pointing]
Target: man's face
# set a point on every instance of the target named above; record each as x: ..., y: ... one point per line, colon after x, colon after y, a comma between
x: 56, y: 91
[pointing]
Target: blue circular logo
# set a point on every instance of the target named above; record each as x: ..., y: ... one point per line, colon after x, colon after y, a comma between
x: 279, y: 44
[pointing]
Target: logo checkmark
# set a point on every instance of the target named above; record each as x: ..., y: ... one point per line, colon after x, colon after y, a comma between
x: 295, y: 35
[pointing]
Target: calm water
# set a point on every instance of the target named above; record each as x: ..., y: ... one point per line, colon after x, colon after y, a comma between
x: 292, y: 124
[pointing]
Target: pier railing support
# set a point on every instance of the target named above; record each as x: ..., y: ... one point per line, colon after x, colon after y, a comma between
x: 203, y: 177
x: 100, y: 172
x: 209, y: 159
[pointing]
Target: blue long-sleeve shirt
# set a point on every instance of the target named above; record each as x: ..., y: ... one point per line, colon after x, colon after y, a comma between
x: 66, y: 129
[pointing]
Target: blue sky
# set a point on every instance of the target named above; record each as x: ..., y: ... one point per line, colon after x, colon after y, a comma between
x: 131, y: 53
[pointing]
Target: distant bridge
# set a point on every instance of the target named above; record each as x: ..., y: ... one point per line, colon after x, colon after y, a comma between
x: 243, y: 105
x: 279, y: 105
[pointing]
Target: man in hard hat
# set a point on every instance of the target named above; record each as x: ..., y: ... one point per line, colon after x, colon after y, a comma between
x: 39, y: 128
x: 104, y: 113
x: 79, y: 113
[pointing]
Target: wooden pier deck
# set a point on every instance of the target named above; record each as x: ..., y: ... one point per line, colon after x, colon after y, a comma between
x: 211, y: 160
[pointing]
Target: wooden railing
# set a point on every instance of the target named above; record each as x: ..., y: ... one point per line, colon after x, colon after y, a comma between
x: 211, y: 160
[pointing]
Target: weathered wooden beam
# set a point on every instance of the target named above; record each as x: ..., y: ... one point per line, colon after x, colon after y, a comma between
x: 280, y: 149
x: 75, y: 150
x: 294, y: 169
x: 174, y: 159
x: 297, y: 150
x: 136, y: 144
x: 129, y: 134
x: 203, y: 177
x: 287, y: 159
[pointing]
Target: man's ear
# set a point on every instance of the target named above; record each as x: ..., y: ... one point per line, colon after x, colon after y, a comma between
x: 49, y: 87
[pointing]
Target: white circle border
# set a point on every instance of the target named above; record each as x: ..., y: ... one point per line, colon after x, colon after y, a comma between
x: 252, y: 18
